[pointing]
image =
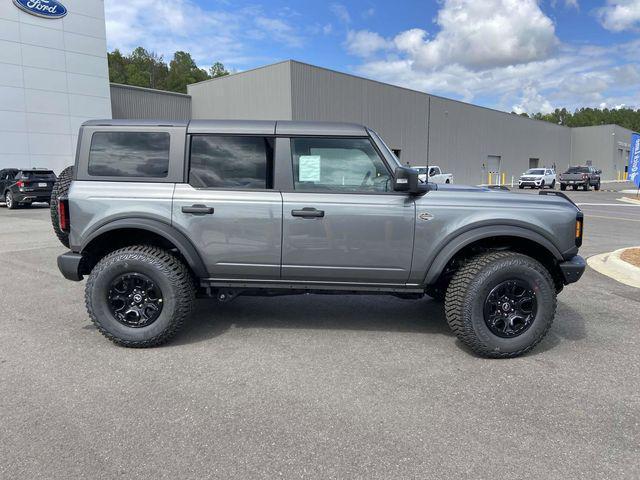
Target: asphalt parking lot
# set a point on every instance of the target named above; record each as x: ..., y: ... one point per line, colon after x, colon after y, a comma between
x: 315, y: 386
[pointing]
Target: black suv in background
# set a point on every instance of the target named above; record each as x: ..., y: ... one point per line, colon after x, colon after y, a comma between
x: 23, y: 187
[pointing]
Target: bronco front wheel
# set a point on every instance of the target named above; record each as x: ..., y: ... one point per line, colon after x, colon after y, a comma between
x: 501, y: 304
x: 139, y: 296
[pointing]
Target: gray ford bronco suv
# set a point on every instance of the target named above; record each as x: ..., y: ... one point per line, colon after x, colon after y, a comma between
x: 156, y: 213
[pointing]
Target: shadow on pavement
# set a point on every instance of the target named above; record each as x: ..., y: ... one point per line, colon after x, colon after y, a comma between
x: 354, y: 312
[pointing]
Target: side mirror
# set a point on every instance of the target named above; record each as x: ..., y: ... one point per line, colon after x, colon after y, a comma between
x: 598, y: 172
x: 405, y: 180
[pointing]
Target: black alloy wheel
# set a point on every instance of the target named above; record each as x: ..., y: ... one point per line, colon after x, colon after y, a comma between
x: 134, y: 300
x: 510, y: 308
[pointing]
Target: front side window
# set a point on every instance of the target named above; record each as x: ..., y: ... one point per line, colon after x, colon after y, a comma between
x: 338, y: 164
x: 129, y: 154
x: 235, y: 162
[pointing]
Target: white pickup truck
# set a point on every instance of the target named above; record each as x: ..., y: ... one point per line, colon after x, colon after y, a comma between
x: 433, y: 174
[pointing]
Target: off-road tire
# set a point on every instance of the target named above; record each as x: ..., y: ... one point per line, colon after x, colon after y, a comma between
x: 563, y: 187
x: 470, y: 287
x: 166, y: 270
x: 597, y: 187
x: 60, y: 189
x: 553, y: 185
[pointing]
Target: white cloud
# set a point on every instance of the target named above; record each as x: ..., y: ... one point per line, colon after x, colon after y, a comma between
x: 280, y: 31
x: 209, y: 35
x: 520, y: 67
x: 364, y: 43
x: 341, y: 12
x: 482, y: 34
x: 369, y: 12
x: 620, y: 15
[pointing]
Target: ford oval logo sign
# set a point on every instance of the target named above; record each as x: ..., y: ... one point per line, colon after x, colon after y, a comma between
x: 42, y: 8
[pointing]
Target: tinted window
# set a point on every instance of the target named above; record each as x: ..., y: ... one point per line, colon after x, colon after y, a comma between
x: 38, y: 175
x: 338, y: 164
x: 578, y: 170
x: 230, y: 162
x: 535, y: 171
x: 129, y: 154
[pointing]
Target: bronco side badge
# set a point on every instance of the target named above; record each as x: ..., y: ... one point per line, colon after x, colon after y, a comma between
x: 425, y: 216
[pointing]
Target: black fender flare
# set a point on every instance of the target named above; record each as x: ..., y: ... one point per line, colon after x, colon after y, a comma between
x: 467, y: 238
x: 168, y: 232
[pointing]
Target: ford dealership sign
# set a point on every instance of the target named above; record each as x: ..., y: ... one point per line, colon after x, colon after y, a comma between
x: 42, y: 8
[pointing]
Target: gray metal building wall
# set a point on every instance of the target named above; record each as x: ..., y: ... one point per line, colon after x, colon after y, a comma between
x: 399, y: 115
x: 458, y: 136
x: 136, y: 102
x: 605, y: 146
x: 462, y: 136
x: 260, y: 94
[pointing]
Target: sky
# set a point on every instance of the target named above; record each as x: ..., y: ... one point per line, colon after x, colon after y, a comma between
x: 513, y: 55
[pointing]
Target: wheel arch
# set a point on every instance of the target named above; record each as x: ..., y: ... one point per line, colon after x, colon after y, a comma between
x: 132, y: 231
x: 505, y: 237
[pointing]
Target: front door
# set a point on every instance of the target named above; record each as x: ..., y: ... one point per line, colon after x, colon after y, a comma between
x: 342, y: 223
x: 229, y: 208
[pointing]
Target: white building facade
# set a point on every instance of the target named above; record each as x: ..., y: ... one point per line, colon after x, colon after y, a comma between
x: 53, y: 77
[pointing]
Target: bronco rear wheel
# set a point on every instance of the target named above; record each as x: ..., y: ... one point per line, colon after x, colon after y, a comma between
x: 139, y: 296
x: 501, y: 304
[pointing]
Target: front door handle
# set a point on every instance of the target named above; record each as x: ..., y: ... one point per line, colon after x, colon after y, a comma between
x: 198, y: 210
x: 307, y: 212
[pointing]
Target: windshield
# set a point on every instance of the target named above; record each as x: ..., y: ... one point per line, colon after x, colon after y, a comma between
x: 38, y: 175
x: 421, y: 170
x: 578, y: 170
x: 535, y: 171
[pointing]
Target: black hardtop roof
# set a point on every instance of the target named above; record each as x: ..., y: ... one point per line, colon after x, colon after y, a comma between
x: 245, y: 127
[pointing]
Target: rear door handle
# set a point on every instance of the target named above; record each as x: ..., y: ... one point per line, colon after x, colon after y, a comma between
x: 198, y: 210
x: 307, y: 212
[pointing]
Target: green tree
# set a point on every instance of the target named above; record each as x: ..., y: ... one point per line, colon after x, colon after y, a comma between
x: 183, y: 71
x: 143, y: 68
x: 117, y: 65
x: 218, y: 70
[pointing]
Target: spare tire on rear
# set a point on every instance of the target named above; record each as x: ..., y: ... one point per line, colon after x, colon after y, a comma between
x: 60, y: 189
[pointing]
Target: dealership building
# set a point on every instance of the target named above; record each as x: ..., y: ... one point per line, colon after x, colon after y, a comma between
x: 54, y: 76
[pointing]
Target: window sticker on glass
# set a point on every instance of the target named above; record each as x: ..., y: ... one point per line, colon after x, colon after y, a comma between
x: 309, y: 168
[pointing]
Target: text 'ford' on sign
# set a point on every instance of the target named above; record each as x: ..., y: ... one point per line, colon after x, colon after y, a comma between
x: 42, y: 8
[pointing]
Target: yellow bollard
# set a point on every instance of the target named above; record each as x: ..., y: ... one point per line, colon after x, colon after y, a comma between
x: 504, y: 178
x: 489, y: 179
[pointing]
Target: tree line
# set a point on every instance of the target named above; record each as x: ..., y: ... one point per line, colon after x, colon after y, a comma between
x: 147, y: 69
x: 586, y: 117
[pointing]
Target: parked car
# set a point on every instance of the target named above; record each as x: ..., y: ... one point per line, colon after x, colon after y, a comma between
x: 23, y: 187
x: 538, y: 178
x: 433, y: 174
x: 580, y: 176
x: 154, y: 215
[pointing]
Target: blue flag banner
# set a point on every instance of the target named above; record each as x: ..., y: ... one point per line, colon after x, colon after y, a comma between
x: 634, y: 159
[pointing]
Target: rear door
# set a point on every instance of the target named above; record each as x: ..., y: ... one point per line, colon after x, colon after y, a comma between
x: 341, y: 221
x: 229, y: 209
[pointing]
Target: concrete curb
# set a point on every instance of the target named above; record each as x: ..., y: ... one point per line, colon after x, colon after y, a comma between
x: 611, y: 265
x: 629, y: 200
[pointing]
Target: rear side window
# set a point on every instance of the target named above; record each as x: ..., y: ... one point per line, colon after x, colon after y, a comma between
x: 231, y: 162
x: 129, y: 154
